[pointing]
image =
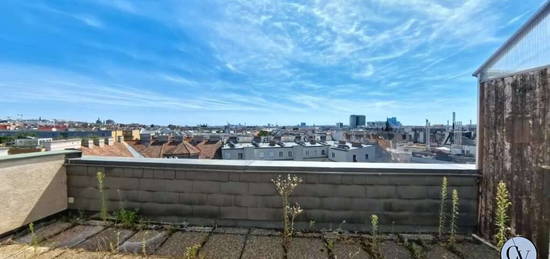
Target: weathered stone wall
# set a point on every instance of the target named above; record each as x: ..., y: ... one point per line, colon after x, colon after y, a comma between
x: 32, y: 186
x: 240, y: 193
x: 514, y: 144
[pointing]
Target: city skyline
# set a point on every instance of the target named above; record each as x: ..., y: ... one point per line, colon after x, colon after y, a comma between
x: 196, y: 62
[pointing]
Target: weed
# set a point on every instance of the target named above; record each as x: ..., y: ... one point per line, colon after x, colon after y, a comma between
x: 192, y: 252
x: 374, y: 245
x: 101, y: 180
x: 415, y: 249
x: 501, y: 217
x: 454, y: 216
x: 34, y: 239
x: 442, y: 207
x: 311, y: 224
x: 285, y: 186
x: 127, y: 218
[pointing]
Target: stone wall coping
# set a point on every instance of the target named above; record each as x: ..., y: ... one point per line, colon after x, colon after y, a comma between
x: 66, y: 153
x: 270, y: 166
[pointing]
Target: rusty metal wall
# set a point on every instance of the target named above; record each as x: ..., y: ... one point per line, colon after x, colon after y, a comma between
x: 514, y: 144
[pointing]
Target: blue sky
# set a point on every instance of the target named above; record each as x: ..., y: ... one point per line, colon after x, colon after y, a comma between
x: 254, y: 62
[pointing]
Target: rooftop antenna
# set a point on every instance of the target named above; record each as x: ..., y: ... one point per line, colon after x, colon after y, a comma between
x: 427, y: 134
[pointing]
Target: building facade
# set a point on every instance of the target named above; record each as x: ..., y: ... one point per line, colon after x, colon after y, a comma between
x: 357, y: 121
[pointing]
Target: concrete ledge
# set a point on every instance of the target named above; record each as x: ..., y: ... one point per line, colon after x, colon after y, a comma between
x: 286, y: 166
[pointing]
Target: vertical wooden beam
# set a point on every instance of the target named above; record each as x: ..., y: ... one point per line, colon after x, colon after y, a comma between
x: 543, y: 237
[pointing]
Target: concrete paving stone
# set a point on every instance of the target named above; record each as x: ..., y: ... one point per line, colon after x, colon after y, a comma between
x: 476, y: 251
x: 11, y: 250
x: 264, y: 232
x: 349, y: 249
x: 73, y: 236
x: 302, y: 247
x: 151, y: 239
x: 236, y: 231
x: 44, y: 232
x: 53, y: 253
x: 225, y: 246
x: 391, y: 249
x: 178, y: 243
x: 263, y: 247
x: 107, y: 240
x: 437, y: 251
x: 30, y: 252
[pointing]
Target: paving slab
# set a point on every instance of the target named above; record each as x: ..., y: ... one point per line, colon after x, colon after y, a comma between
x: 391, y: 249
x: 417, y: 237
x: 303, y: 247
x: 44, y: 232
x: 11, y: 250
x: 477, y: 251
x: 225, y: 246
x: 106, y: 240
x: 52, y: 253
x: 437, y: 251
x: 349, y: 249
x: 177, y: 243
x: 31, y: 252
x: 148, y: 240
x: 263, y: 247
x: 73, y: 236
x: 199, y: 229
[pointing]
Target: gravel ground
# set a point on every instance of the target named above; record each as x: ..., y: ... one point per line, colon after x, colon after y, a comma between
x: 107, y: 240
x: 177, y: 243
x: 349, y: 249
x: 223, y: 246
x: 391, y: 249
x: 152, y: 239
x: 263, y: 247
x: 85, y: 240
x: 42, y: 233
x: 302, y: 247
x: 73, y: 236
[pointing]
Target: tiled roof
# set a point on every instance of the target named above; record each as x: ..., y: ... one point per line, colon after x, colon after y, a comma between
x: 160, y: 149
x: 117, y: 149
x: 209, y: 150
x: 181, y: 148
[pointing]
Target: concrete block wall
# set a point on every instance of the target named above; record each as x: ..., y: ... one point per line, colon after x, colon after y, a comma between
x: 241, y: 194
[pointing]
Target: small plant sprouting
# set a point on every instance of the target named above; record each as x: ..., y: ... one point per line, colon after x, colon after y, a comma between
x: 374, y: 232
x: 285, y: 186
x: 101, y: 186
x: 501, y: 217
x: 34, y: 238
x: 454, y: 216
x: 127, y: 218
x: 442, y: 207
x: 192, y: 252
x: 144, y: 244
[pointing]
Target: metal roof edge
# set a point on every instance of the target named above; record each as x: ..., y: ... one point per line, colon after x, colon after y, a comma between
x: 534, y: 19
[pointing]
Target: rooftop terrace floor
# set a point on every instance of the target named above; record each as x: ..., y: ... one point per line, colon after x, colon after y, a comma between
x: 96, y: 239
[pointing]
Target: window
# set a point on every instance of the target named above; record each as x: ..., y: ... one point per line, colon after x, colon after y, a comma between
x: 290, y: 153
x: 354, y: 158
x: 323, y: 152
x: 261, y: 154
x: 366, y: 156
x: 240, y: 155
x: 332, y: 154
x: 281, y: 154
x: 227, y: 155
x: 307, y: 152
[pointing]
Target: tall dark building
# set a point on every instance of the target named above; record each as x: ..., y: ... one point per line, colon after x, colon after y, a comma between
x: 357, y: 121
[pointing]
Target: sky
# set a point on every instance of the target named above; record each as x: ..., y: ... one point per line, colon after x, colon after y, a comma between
x: 250, y: 62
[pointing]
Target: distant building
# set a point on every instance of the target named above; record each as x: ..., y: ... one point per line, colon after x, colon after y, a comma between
x: 31, y: 142
x: 302, y: 124
x: 339, y: 125
x: 131, y: 134
x: 63, y: 144
x: 393, y: 122
x: 357, y: 121
x: 354, y: 152
x: 4, y: 151
x: 300, y: 151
